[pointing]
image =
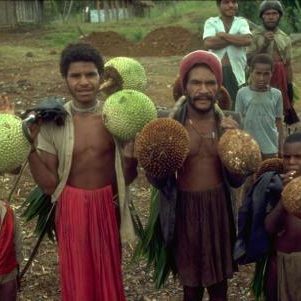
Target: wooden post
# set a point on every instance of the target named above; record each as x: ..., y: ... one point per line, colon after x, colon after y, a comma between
x: 117, y: 7
x: 106, y: 10
x: 97, y: 6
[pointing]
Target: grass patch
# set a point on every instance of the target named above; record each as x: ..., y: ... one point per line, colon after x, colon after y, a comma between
x: 188, y: 14
x: 22, y: 54
x: 59, y: 39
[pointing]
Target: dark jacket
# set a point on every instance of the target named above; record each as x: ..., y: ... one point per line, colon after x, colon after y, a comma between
x: 253, y: 241
x: 168, y: 191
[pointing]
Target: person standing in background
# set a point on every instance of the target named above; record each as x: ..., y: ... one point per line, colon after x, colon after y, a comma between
x: 261, y: 108
x: 227, y: 36
x: 272, y: 40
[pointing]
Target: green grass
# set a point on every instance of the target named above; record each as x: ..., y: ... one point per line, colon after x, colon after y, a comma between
x: 188, y: 14
x: 58, y: 39
x: 22, y: 54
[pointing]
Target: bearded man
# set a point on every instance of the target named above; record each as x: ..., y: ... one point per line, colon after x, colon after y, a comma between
x: 196, y: 214
x: 272, y: 40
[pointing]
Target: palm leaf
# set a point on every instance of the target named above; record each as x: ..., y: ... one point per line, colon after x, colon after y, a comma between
x: 259, y: 279
x: 37, y: 206
x: 151, y: 245
x: 138, y: 227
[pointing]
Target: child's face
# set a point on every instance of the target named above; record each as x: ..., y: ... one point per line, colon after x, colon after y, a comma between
x: 261, y: 76
x: 292, y: 157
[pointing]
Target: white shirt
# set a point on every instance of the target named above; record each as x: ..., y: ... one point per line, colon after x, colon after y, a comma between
x: 236, y: 55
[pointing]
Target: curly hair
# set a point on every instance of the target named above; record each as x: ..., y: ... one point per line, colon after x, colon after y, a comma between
x: 80, y: 52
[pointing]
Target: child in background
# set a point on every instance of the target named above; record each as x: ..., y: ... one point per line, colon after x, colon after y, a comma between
x: 284, y: 268
x: 261, y: 107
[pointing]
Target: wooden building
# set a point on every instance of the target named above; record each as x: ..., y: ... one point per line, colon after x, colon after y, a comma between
x: 107, y: 10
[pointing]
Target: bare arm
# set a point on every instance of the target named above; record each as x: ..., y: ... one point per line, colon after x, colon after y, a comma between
x: 215, y: 43
x: 280, y: 135
x: 129, y: 163
x: 236, y: 39
x: 273, y: 221
x: 43, y: 167
x: 130, y: 169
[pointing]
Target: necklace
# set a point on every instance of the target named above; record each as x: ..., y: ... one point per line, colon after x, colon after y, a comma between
x: 84, y: 110
x: 227, y: 25
x: 209, y: 135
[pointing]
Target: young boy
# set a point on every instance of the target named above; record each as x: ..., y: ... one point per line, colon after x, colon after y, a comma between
x: 261, y: 107
x: 285, y: 229
x: 82, y: 167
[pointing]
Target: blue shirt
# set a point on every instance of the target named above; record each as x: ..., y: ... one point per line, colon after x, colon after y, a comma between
x: 259, y: 111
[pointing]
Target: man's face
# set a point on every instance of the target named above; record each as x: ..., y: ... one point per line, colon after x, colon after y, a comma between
x: 292, y: 157
x: 270, y: 19
x: 201, y: 89
x: 228, y: 8
x: 83, y: 82
x: 261, y: 76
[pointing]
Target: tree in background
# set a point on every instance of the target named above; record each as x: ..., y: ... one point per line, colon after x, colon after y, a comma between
x: 292, y: 12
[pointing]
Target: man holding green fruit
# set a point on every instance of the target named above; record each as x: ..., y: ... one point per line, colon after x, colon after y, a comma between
x: 83, y: 168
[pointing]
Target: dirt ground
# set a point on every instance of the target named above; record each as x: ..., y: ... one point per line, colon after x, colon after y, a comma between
x: 28, y: 81
x: 162, y: 42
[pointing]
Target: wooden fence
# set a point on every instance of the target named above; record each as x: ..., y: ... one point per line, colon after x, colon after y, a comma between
x: 8, y: 18
x: 29, y: 11
x: 13, y: 12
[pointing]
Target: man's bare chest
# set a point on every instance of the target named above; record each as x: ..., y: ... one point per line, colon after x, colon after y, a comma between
x: 90, y: 135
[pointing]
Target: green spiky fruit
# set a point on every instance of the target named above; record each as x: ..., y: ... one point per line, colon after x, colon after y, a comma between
x: 123, y: 73
x: 162, y: 147
x: 126, y: 112
x: 13, y: 144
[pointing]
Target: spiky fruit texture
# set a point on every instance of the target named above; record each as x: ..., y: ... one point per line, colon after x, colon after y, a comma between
x: 239, y: 152
x: 162, y: 147
x: 13, y: 144
x: 272, y: 164
x: 291, y: 197
x: 126, y: 112
x: 130, y: 74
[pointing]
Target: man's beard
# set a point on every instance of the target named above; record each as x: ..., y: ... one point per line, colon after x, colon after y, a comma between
x: 209, y: 97
x: 271, y: 27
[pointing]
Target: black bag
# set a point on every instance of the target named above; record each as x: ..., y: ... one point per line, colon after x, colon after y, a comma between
x: 291, y: 116
x: 51, y: 109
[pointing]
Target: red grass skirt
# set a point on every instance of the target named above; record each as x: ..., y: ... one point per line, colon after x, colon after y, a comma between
x: 89, y: 246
